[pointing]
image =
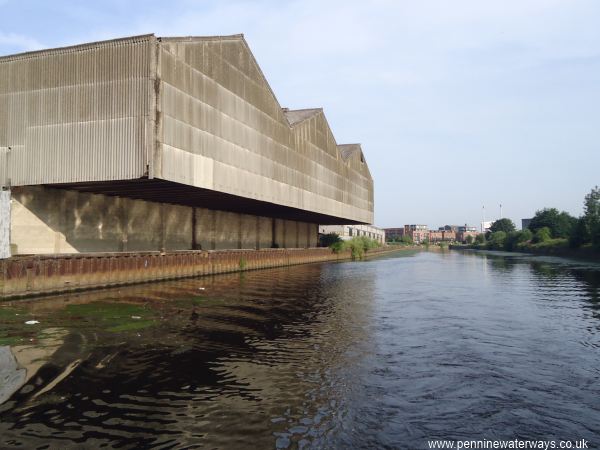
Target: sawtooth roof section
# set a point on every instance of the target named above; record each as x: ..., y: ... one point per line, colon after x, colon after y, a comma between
x: 347, y: 150
x: 233, y: 37
x: 352, y: 155
x: 296, y: 116
x: 293, y: 117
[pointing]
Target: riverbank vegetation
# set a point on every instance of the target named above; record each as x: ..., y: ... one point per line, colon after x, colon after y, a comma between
x: 404, y: 240
x: 550, y: 231
x: 358, y: 246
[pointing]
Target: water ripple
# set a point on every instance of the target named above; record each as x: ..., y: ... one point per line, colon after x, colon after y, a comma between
x: 382, y: 354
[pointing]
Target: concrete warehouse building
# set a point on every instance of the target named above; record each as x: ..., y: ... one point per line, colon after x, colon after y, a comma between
x: 148, y: 143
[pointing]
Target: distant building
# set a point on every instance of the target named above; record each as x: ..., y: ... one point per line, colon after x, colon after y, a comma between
x: 449, y: 228
x: 525, y: 223
x: 415, y: 228
x: 350, y: 231
x: 393, y: 234
x: 451, y: 233
x: 419, y: 236
x: 442, y: 235
x: 485, y: 226
x: 449, y: 236
x: 463, y: 231
x: 462, y: 236
x: 421, y: 233
x: 418, y: 233
x: 436, y: 235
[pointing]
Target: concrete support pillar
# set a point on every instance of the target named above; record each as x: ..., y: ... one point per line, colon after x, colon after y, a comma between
x: 213, y: 233
x: 257, y: 246
x: 280, y: 230
x: 123, y: 223
x: 290, y: 233
x: 5, y: 224
x: 308, y: 230
x: 240, y: 221
x: 61, y: 221
x: 163, y: 228
x: 313, y: 234
x: 284, y: 229
x: 195, y: 243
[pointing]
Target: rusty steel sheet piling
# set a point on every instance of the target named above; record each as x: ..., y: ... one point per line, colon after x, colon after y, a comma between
x: 47, y: 274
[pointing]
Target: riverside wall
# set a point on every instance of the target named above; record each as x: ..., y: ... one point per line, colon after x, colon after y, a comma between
x: 47, y: 274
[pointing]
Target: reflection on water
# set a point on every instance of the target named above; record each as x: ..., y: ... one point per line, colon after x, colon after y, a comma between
x: 20, y: 362
x: 380, y: 354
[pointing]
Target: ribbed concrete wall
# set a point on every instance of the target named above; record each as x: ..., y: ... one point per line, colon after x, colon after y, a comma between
x: 46, y: 220
x: 221, y: 128
x: 76, y: 114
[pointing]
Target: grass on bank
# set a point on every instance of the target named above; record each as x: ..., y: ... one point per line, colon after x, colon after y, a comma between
x: 358, y: 245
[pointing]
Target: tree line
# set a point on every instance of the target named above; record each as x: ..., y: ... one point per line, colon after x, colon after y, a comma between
x: 549, y: 228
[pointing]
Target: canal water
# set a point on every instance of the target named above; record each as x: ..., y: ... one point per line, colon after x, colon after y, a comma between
x: 386, y: 353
